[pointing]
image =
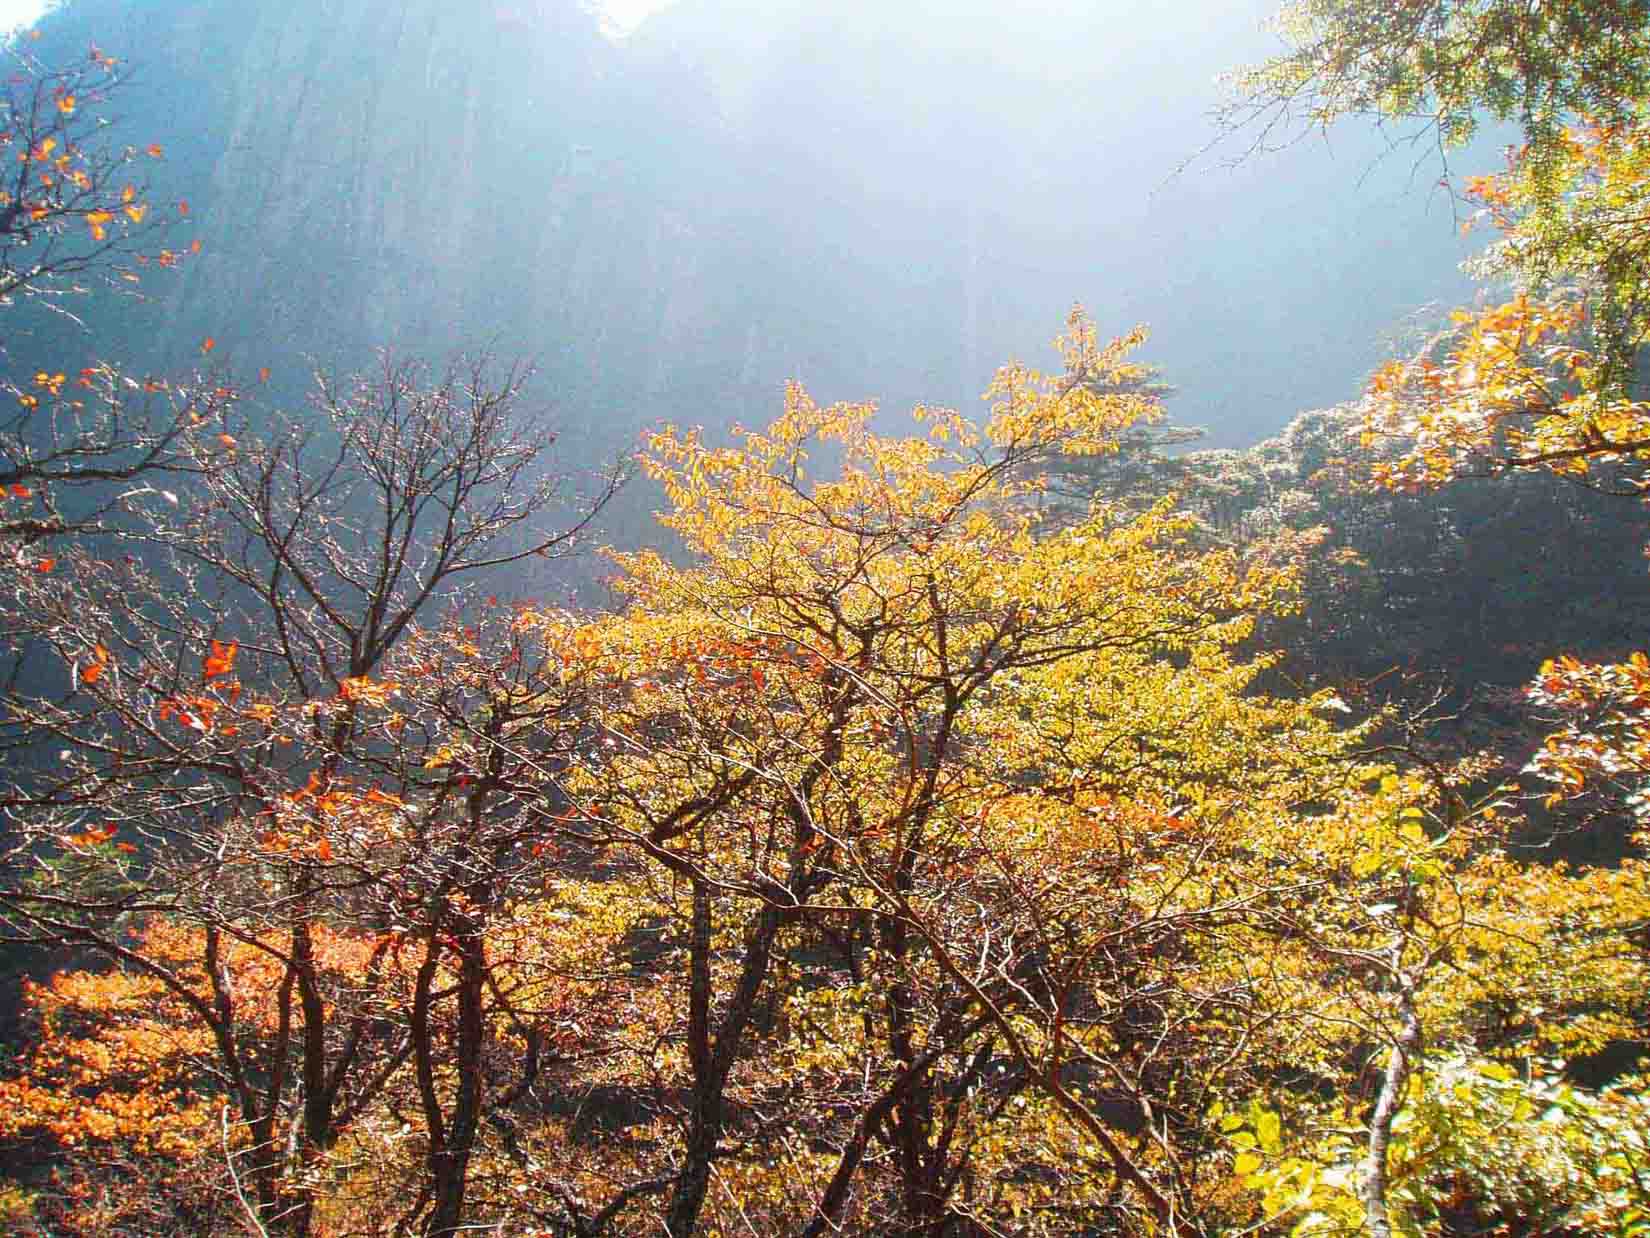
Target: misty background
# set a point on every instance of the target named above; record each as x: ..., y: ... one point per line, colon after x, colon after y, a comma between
x: 883, y: 200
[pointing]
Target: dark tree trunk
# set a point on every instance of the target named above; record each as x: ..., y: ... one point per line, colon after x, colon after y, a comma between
x: 712, y: 1057
x: 450, y: 1160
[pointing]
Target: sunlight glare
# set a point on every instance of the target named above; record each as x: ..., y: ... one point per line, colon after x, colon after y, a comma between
x: 15, y: 14
x: 620, y: 16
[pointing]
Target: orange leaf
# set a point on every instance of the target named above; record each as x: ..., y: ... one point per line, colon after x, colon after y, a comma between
x: 19, y: 491
x: 227, y: 441
x: 183, y: 207
x: 208, y: 344
x: 222, y: 658
x: 45, y: 565
x: 263, y: 374
x: 155, y: 150
x: 91, y: 673
x: 323, y: 850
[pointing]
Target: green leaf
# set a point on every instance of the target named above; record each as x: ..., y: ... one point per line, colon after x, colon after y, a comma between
x: 1269, y: 1130
x: 1367, y: 864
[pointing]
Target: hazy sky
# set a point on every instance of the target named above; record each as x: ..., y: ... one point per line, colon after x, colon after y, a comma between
x: 15, y: 13
x: 624, y: 14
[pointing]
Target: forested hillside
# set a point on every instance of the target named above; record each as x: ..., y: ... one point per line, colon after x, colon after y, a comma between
x: 443, y: 793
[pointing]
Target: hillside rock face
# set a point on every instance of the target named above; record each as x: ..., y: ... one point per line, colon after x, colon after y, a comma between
x: 402, y: 173
x: 883, y: 201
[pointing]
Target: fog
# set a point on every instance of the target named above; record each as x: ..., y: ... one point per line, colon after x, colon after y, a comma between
x: 885, y: 201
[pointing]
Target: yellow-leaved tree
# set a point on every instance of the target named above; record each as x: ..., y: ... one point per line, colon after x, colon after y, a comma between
x: 962, y: 824
x: 893, y: 859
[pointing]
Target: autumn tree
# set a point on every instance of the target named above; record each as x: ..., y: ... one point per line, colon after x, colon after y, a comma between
x: 74, y: 203
x: 78, y: 212
x: 984, y: 820
x: 1548, y: 380
x: 893, y: 859
x: 224, y: 754
x: 1544, y: 379
x: 974, y: 769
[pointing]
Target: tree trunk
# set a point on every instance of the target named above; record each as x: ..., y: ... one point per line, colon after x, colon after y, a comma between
x: 713, y: 1058
x: 1399, y: 1065
x: 450, y: 1160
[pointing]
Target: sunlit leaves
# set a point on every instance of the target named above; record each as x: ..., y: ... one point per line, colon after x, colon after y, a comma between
x: 1544, y: 380
x: 221, y: 661
x: 70, y: 207
x: 368, y: 691
x: 94, y: 667
x: 1445, y: 65
x: 1507, y: 387
x: 1604, y: 743
x: 1030, y: 725
x: 1525, y: 1145
x: 941, y: 822
x: 116, y: 1058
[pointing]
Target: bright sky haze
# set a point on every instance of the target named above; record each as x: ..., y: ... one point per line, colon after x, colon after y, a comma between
x: 15, y: 13
x: 622, y: 15
x: 625, y: 15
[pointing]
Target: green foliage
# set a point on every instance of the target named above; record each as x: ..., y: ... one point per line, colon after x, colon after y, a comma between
x: 1445, y: 62
x: 1479, y: 1145
x: 1574, y: 76
x: 1404, y: 591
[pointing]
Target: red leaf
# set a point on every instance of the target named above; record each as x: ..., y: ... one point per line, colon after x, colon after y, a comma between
x: 222, y: 658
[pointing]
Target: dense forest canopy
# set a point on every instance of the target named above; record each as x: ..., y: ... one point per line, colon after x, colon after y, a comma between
x: 441, y: 793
